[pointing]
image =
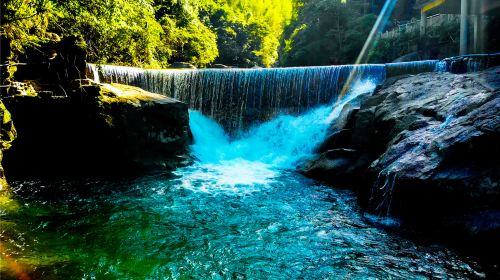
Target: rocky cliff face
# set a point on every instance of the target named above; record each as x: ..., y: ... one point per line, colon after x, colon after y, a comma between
x: 95, y: 128
x: 424, y: 147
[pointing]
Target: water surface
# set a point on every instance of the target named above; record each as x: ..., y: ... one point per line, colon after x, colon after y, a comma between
x: 161, y: 227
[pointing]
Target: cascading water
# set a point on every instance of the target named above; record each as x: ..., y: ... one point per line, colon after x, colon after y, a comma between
x: 280, y: 142
x: 93, y: 72
x: 256, y: 157
x: 411, y: 67
x: 241, y: 98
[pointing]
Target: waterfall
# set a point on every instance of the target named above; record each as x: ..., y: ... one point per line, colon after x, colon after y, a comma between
x: 123, y: 75
x: 254, y: 159
x: 280, y: 142
x: 469, y: 63
x: 241, y: 98
x: 412, y: 67
x: 93, y: 72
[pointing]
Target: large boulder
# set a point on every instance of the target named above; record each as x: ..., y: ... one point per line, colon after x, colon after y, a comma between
x: 439, y: 135
x: 426, y: 148
x: 96, y: 128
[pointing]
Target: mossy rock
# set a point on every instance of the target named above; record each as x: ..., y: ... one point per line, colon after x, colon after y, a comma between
x: 96, y: 128
x: 7, y: 135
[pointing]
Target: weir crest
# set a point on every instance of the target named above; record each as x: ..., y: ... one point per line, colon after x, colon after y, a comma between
x: 240, y: 98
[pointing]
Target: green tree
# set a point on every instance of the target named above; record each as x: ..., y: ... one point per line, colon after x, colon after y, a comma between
x: 155, y: 33
x: 116, y: 31
x: 26, y: 22
x: 186, y: 35
x: 326, y: 32
x: 254, y: 27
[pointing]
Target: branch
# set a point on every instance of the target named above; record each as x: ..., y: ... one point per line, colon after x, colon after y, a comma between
x: 26, y: 17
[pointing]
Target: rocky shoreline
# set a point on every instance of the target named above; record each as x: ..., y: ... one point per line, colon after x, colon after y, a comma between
x: 423, y: 148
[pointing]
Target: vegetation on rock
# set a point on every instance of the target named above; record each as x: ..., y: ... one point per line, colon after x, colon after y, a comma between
x: 124, y: 127
x: 7, y: 135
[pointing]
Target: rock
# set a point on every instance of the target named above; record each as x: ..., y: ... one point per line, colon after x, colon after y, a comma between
x: 182, y: 65
x: 337, y: 166
x: 468, y: 63
x: 439, y: 134
x: 428, y: 147
x: 19, y: 88
x: 7, y: 135
x: 96, y: 129
x: 221, y: 66
x: 55, y: 63
x: 337, y: 139
x: 346, y: 117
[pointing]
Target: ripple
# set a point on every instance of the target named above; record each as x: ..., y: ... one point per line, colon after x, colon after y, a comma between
x: 285, y: 227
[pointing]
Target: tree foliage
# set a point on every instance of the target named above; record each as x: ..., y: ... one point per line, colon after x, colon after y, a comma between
x: 326, y: 32
x: 259, y: 25
x: 243, y: 33
x: 154, y: 33
x: 26, y: 22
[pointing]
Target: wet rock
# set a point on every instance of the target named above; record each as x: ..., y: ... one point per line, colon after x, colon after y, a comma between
x: 438, y: 134
x: 468, y: 63
x: 346, y: 117
x: 336, y: 139
x: 427, y: 146
x: 96, y: 128
x: 337, y: 166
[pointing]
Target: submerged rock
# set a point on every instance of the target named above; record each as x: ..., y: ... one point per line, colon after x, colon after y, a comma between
x: 427, y: 148
x: 96, y: 128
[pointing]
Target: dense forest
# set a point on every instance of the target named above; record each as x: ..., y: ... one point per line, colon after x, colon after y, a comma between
x: 326, y: 32
x: 156, y: 33
x: 241, y: 33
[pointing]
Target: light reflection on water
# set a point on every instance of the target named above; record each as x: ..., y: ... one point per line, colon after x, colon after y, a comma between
x: 156, y: 228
